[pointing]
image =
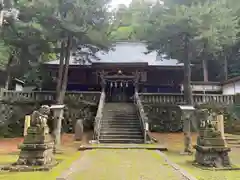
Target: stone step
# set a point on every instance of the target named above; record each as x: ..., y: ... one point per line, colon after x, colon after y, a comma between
x: 129, y: 110
x: 120, y: 136
x: 232, y: 139
x: 122, y: 126
x: 111, y: 132
x: 119, y: 108
x: 120, y: 116
x: 119, y: 129
x: 234, y: 143
x: 122, y: 141
x: 119, y: 119
x: 105, y: 121
x: 130, y: 126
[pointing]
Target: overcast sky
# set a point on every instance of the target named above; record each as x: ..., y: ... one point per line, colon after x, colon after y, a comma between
x: 115, y: 3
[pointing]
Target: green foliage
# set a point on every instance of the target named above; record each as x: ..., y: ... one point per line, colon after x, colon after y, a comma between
x: 4, y: 53
x: 201, y: 22
x: 33, y: 38
x: 128, y: 21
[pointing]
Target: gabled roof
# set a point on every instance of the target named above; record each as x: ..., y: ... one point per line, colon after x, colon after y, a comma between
x: 128, y: 52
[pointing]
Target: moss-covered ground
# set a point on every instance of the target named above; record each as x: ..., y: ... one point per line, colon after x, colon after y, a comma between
x: 174, y: 143
x: 9, y: 154
x: 124, y: 164
x: 66, y: 160
x: 118, y: 164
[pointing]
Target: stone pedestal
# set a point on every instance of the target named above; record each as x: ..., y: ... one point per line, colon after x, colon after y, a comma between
x: 211, y: 147
x: 37, y: 148
x: 212, y: 156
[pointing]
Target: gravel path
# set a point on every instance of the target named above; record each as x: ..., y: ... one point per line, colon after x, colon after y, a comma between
x: 121, y: 165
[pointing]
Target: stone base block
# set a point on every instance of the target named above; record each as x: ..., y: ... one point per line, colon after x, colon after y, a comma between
x: 212, y: 158
x: 25, y: 168
x: 228, y: 168
x: 35, y: 158
x: 211, y: 141
x: 37, y: 139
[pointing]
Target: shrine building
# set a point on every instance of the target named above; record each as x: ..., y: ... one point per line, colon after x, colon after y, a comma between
x: 124, y: 68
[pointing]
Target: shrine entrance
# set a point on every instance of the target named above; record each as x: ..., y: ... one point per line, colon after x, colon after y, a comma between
x: 119, y: 87
x: 119, y: 90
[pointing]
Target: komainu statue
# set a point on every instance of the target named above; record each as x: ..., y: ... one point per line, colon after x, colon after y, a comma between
x: 211, y: 147
x: 39, y: 118
x: 37, y: 147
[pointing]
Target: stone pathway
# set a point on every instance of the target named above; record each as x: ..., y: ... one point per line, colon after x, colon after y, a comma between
x: 121, y: 165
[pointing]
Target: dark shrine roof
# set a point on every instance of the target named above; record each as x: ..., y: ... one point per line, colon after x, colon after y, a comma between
x: 127, y: 52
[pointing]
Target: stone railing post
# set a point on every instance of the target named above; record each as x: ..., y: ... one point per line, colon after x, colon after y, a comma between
x: 1, y: 93
x: 237, y: 99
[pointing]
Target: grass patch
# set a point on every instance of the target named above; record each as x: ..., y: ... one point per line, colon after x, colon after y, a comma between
x: 174, y: 143
x: 186, y: 163
x: 65, y: 159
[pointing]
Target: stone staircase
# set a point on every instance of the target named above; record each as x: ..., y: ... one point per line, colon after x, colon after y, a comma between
x: 233, y: 140
x: 120, y: 124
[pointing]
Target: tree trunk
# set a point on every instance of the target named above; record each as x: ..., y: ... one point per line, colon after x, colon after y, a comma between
x: 60, y: 72
x: 63, y: 91
x: 225, y: 68
x: 8, y: 70
x: 205, y: 69
x: 66, y: 67
x: 205, y: 63
x: 187, y: 73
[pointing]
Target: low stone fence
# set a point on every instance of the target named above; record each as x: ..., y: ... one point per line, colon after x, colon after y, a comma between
x: 7, y: 95
x: 158, y: 98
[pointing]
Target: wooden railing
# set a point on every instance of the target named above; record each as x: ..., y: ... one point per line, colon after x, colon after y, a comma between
x: 142, y: 115
x: 7, y: 95
x: 158, y: 98
x: 99, y: 115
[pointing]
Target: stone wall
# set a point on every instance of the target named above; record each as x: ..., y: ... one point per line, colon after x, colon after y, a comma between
x: 12, y: 117
x: 13, y: 111
x: 231, y: 115
x: 164, y: 118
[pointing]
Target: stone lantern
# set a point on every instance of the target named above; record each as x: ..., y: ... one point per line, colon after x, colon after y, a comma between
x: 58, y: 111
x: 187, y: 114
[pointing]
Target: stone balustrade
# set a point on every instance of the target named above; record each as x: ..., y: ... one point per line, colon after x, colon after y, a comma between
x: 7, y: 95
x: 148, y: 98
x: 99, y: 116
x: 158, y: 98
